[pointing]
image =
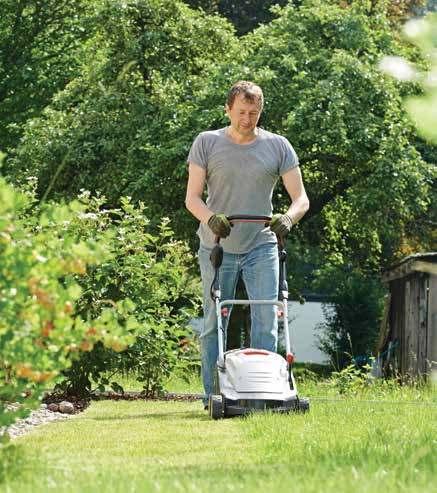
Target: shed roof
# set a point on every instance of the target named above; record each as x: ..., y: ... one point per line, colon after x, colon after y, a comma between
x: 418, y: 262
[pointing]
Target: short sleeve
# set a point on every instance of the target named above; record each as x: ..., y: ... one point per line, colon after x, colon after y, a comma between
x: 198, y: 154
x: 289, y: 159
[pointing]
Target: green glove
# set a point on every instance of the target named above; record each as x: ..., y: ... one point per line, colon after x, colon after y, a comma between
x: 219, y: 225
x: 281, y: 224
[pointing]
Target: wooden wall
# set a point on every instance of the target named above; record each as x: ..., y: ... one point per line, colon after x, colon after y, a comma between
x: 432, y: 326
x: 413, y: 314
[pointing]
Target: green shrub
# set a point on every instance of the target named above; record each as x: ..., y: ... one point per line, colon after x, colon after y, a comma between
x: 41, y: 329
x: 352, y: 317
x: 350, y: 380
x: 71, y: 277
x: 152, y: 270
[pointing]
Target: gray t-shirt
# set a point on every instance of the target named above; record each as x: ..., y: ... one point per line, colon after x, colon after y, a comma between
x: 240, y: 179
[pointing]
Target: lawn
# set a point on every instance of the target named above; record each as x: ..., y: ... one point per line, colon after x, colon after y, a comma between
x: 362, y: 443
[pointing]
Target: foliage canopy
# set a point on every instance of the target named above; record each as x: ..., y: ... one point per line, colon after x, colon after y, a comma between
x: 126, y: 124
x: 40, y: 49
x: 153, y: 74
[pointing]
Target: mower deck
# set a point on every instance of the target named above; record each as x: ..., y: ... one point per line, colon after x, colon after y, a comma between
x: 220, y: 407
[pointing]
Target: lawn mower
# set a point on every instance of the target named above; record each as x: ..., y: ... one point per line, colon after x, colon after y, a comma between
x: 250, y: 379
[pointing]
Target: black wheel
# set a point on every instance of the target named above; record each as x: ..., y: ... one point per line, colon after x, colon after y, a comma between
x: 303, y: 405
x: 216, y: 406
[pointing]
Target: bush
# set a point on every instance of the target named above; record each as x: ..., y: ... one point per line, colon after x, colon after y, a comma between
x: 352, y: 318
x: 151, y: 269
x: 125, y: 125
x: 41, y: 329
x: 71, y: 277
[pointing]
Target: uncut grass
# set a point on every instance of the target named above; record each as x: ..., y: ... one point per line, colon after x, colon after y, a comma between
x: 173, y: 446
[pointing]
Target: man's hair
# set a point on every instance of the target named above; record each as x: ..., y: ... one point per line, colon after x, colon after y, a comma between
x: 250, y: 92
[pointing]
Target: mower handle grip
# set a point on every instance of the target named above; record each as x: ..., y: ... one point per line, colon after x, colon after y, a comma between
x: 216, y: 255
x: 249, y: 218
x: 246, y: 218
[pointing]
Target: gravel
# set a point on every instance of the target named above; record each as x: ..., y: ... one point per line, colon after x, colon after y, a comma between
x: 37, y: 417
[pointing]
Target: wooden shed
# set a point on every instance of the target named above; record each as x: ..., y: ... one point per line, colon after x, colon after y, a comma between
x: 407, y: 344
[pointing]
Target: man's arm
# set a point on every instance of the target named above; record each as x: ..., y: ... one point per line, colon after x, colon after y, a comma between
x: 300, y: 204
x: 193, y: 198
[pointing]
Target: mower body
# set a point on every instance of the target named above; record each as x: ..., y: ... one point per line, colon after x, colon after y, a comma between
x: 252, y: 379
x: 255, y: 374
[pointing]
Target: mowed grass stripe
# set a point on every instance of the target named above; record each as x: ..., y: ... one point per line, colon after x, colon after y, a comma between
x: 173, y: 446
x: 147, y: 442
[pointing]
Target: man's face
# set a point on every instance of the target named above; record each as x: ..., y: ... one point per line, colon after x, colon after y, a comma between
x: 244, y: 116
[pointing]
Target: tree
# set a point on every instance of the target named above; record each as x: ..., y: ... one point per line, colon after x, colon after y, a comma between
x: 131, y: 116
x: 367, y: 183
x: 422, y: 108
x: 352, y: 316
x: 245, y: 15
x: 428, y: 6
x: 40, y: 44
x: 125, y: 125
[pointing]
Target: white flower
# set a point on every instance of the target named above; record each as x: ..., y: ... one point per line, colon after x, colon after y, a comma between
x: 39, y: 258
x: 88, y: 215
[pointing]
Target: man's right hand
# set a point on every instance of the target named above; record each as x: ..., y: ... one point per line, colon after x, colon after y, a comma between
x: 219, y: 225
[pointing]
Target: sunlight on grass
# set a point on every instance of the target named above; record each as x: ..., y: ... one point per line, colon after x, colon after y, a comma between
x: 137, y: 446
x: 350, y: 446
x: 131, y: 446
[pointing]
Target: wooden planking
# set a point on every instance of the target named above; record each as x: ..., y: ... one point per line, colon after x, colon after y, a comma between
x: 415, y: 326
x: 411, y: 316
x: 411, y: 344
x: 405, y: 339
x: 426, y: 267
x: 384, y: 329
x: 397, y: 320
x: 422, y: 306
x: 432, y: 325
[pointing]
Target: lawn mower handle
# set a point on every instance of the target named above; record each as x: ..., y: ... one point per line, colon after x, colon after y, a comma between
x: 247, y: 218
x: 216, y: 256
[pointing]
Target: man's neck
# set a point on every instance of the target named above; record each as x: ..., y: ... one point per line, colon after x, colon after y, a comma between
x: 238, y: 138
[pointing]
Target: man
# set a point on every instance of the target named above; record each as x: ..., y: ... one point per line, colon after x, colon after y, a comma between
x: 240, y: 165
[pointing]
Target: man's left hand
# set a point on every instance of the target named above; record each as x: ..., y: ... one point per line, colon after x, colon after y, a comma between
x: 281, y: 224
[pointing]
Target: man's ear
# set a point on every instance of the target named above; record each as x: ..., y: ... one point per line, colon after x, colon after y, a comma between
x: 227, y: 109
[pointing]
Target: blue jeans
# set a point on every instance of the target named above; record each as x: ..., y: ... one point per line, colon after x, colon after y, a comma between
x: 259, y: 269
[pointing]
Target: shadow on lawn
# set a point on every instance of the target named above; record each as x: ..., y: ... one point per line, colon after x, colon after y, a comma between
x: 170, y: 416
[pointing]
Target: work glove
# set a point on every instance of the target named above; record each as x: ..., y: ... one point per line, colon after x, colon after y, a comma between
x: 281, y: 224
x: 219, y: 225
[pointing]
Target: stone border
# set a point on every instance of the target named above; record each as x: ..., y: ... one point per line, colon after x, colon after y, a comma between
x: 37, y: 417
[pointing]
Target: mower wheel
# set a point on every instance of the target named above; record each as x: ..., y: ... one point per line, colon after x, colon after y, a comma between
x: 216, y: 406
x: 303, y: 405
